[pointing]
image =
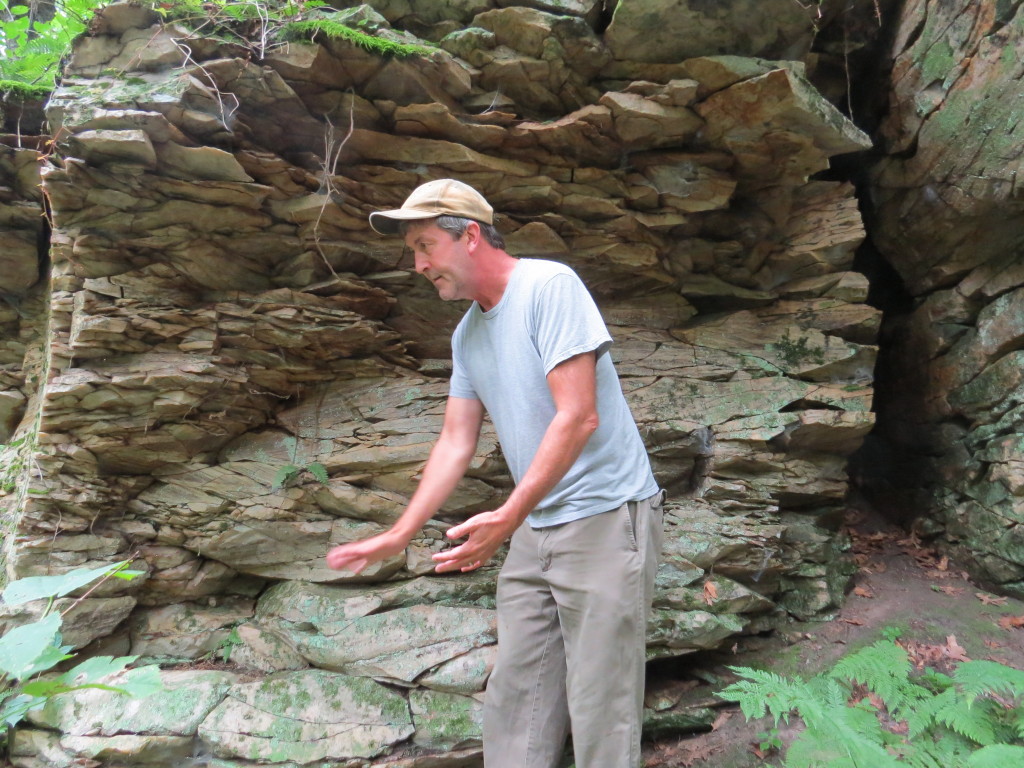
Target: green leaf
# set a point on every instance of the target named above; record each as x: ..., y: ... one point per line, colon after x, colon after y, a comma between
x: 15, y: 708
x: 95, y: 669
x: 37, y: 587
x: 142, y: 681
x: 44, y: 688
x: 32, y: 648
x: 284, y: 475
x: 319, y: 471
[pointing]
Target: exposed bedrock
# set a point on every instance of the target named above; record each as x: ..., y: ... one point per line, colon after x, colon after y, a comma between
x: 238, y: 373
x: 948, y: 215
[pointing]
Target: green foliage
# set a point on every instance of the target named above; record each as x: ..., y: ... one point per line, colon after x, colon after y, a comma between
x: 37, y: 587
x: 33, y: 49
x: 13, y: 464
x: 287, y: 474
x: 309, y: 29
x: 35, y: 648
x: 971, y: 719
x: 225, y: 647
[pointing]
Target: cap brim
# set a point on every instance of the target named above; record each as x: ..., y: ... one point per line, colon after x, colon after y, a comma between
x: 386, y: 222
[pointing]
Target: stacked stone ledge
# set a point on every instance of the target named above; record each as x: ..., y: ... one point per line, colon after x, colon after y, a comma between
x: 223, y: 325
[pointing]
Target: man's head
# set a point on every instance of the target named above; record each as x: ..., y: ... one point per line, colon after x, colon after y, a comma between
x: 452, y: 202
x: 449, y: 227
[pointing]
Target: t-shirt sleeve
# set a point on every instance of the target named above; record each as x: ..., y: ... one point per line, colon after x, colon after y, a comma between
x: 459, y: 385
x: 567, y: 322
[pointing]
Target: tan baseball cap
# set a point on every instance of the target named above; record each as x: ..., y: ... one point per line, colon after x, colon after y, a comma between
x: 441, y: 197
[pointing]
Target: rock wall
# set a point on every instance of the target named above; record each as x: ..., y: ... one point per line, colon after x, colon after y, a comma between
x: 240, y: 374
x: 948, y: 216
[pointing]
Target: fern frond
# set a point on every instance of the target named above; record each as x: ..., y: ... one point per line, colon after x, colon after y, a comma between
x: 884, y: 669
x: 922, y: 717
x: 815, y: 749
x: 285, y: 475
x: 855, y: 738
x: 972, y: 721
x: 976, y: 678
x: 304, y: 30
x: 762, y: 692
x: 950, y: 751
x: 996, y: 756
x: 319, y: 471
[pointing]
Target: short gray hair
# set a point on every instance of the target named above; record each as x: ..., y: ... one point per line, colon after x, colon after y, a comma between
x: 456, y: 227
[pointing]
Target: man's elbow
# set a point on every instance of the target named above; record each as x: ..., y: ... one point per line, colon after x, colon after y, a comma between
x: 589, y: 423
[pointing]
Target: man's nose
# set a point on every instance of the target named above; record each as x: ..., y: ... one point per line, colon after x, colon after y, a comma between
x: 420, y: 260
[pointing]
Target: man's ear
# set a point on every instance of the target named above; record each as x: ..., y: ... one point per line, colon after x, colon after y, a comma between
x: 473, y: 236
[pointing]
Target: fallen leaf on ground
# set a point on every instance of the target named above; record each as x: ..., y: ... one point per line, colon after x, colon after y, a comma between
x: 948, y: 590
x: 693, y: 753
x: 954, y: 650
x: 863, y: 592
x: 1011, y: 622
x: 943, y: 564
x: 993, y: 644
x: 720, y: 720
x: 710, y: 592
x: 990, y: 599
x: 855, y: 622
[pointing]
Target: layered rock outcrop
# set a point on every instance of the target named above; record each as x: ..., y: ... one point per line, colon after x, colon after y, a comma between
x: 948, y: 217
x: 240, y: 374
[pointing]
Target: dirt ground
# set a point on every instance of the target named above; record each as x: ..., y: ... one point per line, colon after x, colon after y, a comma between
x: 901, y: 583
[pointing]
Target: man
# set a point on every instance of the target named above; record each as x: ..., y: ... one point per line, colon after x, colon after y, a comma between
x: 575, y: 589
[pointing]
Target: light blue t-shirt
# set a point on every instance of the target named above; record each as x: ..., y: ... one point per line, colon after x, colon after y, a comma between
x: 502, y: 357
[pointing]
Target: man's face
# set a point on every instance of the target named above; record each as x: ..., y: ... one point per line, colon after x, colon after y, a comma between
x: 444, y: 261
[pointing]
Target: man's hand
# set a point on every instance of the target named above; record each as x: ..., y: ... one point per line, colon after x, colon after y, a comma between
x: 487, y: 531
x: 360, y: 554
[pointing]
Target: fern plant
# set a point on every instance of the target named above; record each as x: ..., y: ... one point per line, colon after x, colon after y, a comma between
x: 33, y: 49
x: 289, y: 472
x: 973, y: 718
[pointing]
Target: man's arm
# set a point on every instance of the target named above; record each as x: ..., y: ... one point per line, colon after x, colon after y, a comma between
x: 573, y: 385
x: 449, y: 459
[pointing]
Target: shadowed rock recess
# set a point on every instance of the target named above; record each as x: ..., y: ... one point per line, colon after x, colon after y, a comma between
x: 228, y: 372
x: 949, y: 217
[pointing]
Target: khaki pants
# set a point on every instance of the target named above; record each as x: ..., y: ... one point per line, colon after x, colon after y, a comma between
x: 573, y: 602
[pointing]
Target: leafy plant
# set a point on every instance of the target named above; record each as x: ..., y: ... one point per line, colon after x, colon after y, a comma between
x: 28, y: 651
x: 225, y: 647
x: 289, y: 472
x: 33, y: 48
x: 871, y: 711
x: 305, y: 30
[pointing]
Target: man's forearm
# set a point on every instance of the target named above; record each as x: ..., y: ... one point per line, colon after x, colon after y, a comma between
x: 562, y: 444
x: 443, y: 471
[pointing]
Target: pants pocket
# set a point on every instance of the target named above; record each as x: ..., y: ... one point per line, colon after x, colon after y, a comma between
x: 630, y: 521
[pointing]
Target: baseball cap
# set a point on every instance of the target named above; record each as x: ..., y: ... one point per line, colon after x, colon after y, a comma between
x: 441, y: 197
